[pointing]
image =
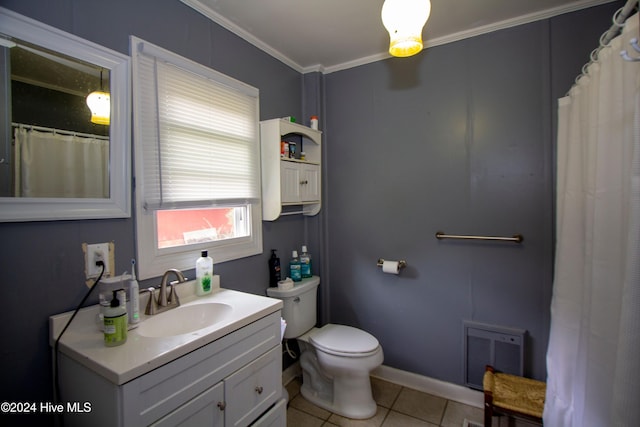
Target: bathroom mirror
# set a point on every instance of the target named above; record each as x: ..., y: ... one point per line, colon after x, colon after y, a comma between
x: 58, y: 160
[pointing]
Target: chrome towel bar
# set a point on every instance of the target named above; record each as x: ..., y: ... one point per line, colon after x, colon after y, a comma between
x: 517, y: 238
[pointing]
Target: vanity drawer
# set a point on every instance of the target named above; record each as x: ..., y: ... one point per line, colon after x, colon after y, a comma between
x: 199, y: 412
x: 274, y: 417
x: 153, y: 395
x: 250, y: 391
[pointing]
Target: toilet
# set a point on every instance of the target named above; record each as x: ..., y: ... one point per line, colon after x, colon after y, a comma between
x: 336, y: 360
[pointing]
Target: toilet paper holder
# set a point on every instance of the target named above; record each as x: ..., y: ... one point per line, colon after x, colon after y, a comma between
x: 401, y: 263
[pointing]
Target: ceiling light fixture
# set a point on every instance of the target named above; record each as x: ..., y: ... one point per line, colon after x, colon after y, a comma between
x: 99, y: 103
x: 404, y: 20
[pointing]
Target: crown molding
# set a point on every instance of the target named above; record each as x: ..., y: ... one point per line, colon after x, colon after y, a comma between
x: 234, y: 28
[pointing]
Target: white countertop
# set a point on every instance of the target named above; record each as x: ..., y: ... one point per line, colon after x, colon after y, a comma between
x: 84, y: 342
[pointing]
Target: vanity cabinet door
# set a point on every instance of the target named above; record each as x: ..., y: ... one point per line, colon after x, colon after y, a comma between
x: 207, y: 409
x: 253, y: 389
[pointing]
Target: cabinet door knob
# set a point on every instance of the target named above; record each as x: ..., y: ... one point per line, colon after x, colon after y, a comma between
x: 259, y: 390
x: 222, y: 405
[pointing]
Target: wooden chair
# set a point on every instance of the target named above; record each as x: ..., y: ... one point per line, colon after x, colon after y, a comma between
x: 512, y: 395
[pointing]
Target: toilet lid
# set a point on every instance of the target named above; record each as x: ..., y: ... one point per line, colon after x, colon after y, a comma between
x: 340, y: 339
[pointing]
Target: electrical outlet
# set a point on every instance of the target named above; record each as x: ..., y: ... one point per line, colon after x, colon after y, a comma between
x: 94, y: 253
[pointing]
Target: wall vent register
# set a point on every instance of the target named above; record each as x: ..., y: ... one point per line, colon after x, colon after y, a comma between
x: 500, y: 347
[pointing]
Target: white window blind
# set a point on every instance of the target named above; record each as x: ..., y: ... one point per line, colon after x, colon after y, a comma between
x: 199, y: 132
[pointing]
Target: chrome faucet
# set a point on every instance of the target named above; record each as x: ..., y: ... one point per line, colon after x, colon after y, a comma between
x: 165, y: 300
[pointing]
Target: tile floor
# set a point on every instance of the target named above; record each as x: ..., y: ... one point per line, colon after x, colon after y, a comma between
x: 397, y: 407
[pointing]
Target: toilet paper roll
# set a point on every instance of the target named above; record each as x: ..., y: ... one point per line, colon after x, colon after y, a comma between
x: 285, y: 284
x: 391, y: 267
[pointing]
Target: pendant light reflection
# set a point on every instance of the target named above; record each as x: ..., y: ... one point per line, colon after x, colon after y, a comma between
x: 99, y: 103
x: 404, y: 20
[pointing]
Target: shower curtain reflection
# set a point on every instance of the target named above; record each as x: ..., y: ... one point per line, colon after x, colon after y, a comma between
x: 51, y: 164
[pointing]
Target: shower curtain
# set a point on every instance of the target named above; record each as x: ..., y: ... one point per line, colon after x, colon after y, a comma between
x: 50, y: 164
x: 593, y: 359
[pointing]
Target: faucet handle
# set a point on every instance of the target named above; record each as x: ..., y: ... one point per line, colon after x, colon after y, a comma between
x: 152, y: 303
x: 173, y: 295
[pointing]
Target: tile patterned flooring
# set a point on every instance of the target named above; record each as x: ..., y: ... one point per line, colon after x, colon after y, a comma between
x: 398, y: 406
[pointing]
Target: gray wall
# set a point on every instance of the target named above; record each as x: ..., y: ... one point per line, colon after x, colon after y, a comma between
x: 457, y: 139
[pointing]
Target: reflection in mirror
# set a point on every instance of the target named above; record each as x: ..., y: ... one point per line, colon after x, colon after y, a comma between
x: 58, y: 160
x: 57, y: 149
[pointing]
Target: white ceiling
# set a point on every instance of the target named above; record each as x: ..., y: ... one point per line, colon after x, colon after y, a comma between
x: 330, y: 35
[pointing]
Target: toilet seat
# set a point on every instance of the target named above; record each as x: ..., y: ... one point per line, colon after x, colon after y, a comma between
x: 346, y: 341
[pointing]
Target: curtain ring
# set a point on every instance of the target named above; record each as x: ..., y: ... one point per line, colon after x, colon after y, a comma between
x: 615, y: 18
x: 594, y: 54
x: 602, y: 44
x: 585, y: 71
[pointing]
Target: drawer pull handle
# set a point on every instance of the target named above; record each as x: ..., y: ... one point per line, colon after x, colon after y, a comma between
x: 296, y: 299
x: 259, y: 390
x: 222, y: 405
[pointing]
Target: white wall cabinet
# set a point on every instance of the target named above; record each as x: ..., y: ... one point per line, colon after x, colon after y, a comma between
x: 234, y: 381
x: 290, y: 182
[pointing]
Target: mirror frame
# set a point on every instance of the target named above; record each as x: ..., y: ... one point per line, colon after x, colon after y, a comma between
x: 118, y: 205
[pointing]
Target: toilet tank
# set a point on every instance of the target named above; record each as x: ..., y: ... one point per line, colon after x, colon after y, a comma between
x: 299, y: 305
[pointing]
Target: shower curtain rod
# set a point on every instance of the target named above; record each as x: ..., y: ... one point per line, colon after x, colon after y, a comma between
x: 60, y: 131
x: 622, y: 14
x: 618, y: 22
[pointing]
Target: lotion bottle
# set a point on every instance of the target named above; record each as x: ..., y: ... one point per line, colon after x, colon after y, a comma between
x: 204, y: 274
x: 115, y: 323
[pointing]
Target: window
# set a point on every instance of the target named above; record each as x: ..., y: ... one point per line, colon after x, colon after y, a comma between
x: 197, y: 162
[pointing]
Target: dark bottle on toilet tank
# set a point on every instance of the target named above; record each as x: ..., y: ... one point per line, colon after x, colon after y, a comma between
x: 274, y: 269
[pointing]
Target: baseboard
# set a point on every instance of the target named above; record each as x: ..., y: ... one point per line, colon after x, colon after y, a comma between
x: 429, y: 385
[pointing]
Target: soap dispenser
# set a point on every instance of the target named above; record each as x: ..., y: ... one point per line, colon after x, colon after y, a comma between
x: 115, y: 322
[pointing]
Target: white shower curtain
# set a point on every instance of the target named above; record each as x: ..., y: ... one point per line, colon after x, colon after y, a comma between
x: 54, y: 165
x: 593, y: 359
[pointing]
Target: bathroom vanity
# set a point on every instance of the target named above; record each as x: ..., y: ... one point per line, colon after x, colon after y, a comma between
x: 224, y: 373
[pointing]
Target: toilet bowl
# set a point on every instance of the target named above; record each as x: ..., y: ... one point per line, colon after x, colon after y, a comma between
x: 345, y: 357
x: 336, y: 360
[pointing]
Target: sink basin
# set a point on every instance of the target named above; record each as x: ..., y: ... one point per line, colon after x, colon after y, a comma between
x: 184, y: 320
